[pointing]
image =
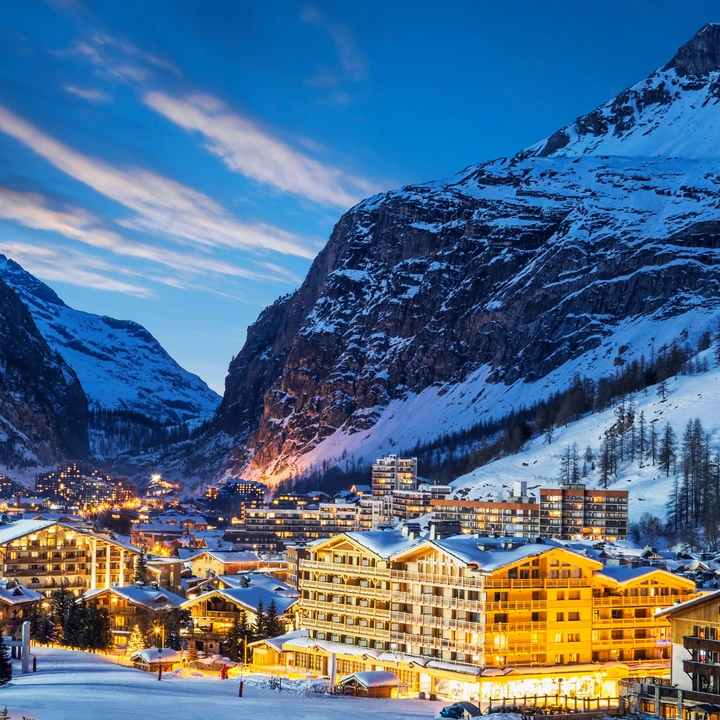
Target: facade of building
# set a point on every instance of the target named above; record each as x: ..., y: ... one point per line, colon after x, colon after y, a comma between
x: 410, y: 504
x: 573, y: 511
x: 136, y: 604
x: 394, y: 473
x: 79, y: 485
x: 492, y: 606
x: 481, y: 517
x: 569, y: 512
x: 44, y: 555
x: 210, y: 563
x: 291, y: 525
x: 16, y: 606
x: 693, y: 689
x: 214, y: 611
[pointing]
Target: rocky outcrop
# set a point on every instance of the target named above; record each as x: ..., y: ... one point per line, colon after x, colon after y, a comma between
x: 509, y: 271
x: 43, y: 410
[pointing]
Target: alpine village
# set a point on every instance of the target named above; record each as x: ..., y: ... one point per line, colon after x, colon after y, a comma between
x: 469, y: 465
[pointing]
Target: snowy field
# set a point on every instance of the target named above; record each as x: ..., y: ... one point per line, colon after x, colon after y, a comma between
x: 81, y: 686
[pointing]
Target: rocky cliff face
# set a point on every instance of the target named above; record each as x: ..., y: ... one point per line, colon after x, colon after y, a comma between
x: 43, y: 410
x: 439, y: 304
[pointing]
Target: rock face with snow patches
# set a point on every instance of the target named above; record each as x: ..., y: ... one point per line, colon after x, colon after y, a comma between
x: 120, y: 364
x: 495, y: 284
x: 43, y: 410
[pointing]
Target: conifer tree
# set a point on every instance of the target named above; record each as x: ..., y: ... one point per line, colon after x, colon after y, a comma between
x: 141, y: 569
x: 137, y: 641
x: 274, y: 625
x: 5, y: 662
x: 668, y: 450
x: 260, y: 626
x: 231, y: 644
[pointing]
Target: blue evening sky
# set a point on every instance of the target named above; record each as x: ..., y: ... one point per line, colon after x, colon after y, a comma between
x: 180, y: 163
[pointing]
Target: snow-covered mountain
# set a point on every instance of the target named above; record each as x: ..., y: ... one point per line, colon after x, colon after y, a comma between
x: 120, y: 365
x: 438, y: 305
x: 43, y: 410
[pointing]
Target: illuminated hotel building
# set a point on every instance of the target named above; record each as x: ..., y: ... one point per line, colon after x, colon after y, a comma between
x: 498, y: 619
x: 44, y: 555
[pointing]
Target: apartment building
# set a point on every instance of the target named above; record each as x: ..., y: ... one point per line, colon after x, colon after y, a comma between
x: 291, y: 525
x: 568, y: 512
x: 573, y: 511
x: 394, y: 473
x: 410, y: 504
x: 490, y: 518
x: 484, y: 606
x: 44, y: 555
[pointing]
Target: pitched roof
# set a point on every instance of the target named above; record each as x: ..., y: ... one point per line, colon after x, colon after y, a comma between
x: 679, y: 608
x: 249, y: 598
x: 146, y: 596
x: 624, y: 573
x: 18, y: 595
x: 373, y: 678
x: 228, y: 558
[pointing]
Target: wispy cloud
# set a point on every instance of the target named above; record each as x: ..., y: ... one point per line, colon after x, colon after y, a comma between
x: 36, y: 211
x: 341, y: 35
x: 64, y: 265
x: 93, y: 96
x: 255, y: 153
x: 162, y: 206
x: 118, y: 59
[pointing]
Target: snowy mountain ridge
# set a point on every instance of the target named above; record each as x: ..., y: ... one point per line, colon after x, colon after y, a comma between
x: 438, y: 305
x: 120, y: 365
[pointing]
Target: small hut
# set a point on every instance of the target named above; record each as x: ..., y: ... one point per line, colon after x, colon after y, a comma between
x: 373, y: 683
x: 149, y: 660
x: 462, y: 710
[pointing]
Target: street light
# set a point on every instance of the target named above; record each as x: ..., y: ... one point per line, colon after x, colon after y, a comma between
x: 160, y: 647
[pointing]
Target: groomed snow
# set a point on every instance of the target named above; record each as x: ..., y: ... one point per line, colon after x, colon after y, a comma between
x: 83, y: 686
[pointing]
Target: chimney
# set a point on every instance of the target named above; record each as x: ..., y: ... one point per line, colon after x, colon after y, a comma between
x: 443, y: 529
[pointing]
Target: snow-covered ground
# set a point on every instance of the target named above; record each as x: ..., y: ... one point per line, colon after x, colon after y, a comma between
x: 688, y: 397
x: 83, y: 686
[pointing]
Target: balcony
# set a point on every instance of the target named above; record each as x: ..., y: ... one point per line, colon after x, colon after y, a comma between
x: 438, y: 579
x: 508, y: 584
x: 515, y: 627
x: 343, y: 568
x: 516, y: 605
x: 692, y: 667
x: 651, y: 601
x: 692, y: 642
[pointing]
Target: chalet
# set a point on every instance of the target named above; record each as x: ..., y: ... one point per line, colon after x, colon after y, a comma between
x: 131, y: 605
x: 16, y: 604
x: 215, y: 611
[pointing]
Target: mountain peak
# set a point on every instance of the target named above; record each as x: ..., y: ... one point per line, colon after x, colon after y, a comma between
x: 699, y: 55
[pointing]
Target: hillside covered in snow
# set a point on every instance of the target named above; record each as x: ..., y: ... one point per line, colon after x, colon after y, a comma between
x: 437, y: 306
x: 641, y: 472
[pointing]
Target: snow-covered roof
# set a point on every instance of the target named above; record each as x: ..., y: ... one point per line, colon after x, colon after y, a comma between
x: 624, y: 573
x: 383, y: 543
x: 18, y: 595
x: 248, y: 598
x: 20, y: 528
x: 150, y: 656
x: 373, y: 678
x: 228, y: 558
x: 277, y: 642
x: 146, y: 596
x: 259, y: 580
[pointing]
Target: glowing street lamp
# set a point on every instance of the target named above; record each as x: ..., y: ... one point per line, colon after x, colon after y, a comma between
x: 158, y: 631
